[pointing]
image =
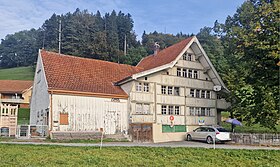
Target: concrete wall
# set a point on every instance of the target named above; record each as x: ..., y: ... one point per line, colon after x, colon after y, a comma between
x: 158, y: 136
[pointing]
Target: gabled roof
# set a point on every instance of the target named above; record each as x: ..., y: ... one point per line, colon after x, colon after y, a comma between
x: 164, y: 56
x: 70, y: 73
x: 14, y: 86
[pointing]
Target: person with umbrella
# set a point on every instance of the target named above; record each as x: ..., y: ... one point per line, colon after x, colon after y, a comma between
x: 234, y: 122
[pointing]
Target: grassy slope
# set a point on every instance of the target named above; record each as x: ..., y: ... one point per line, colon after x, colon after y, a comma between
x: 27, y: 155
x: 18, y: 73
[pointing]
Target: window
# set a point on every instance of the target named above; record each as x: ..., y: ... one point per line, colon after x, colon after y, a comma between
x: 195, y: 74
x: 190, y: 73
x: 163, y: 89
x: 146, y: 87
x: 142, y: 108
x: 197, y: 93
x: 208, y: 112
x: 146, y: 109
x: 138, y: 108
x: 189, y: 58
x: 177, y: 110
x: 197, y: 111
x: 192, y: 92
x: 176, y: 91
x: 203, y: 112
x: 208, y: 94
x: 170, y: 110
x: 179, y: 72
x: 192, y: 111
x: 170, y: 90
x: 185, y: 55
x: 203, y: 94
x: 163, y: 110
x: 138, y: 87
x: 184, y: 73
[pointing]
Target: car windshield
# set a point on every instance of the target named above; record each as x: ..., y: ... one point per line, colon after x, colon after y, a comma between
x: 222, y: 130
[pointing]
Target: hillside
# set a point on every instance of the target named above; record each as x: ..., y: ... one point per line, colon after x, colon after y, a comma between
x: 18, y: 73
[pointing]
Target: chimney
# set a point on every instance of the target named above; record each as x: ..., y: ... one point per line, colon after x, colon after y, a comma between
x: 156, y: 48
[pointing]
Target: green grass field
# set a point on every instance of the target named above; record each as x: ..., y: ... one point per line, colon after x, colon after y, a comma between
x: 18, y: 73
x: 27, y: 155
x: 23, y: 116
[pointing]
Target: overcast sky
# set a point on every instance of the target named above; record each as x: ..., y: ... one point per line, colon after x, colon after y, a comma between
x: 167, y: 16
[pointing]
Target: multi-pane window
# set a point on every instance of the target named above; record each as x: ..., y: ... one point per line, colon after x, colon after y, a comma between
x: 170, y: 110
x: 192, y: 92
x: 177, y: 110
x: 195, y: 74
x: 179, y: 73
x: 197, y: 93
x: 139, y: 87
x: 176, y: 91
x: 208, y: 95
x: 203, y: 94
x: 146, y: 87
x: 192, y: 112
x: 190, y: 73
x: 189, y: 57
x: 200, y: 111
x: 163, y: 110
x: 184, y: 73
x: 142, y: 108
x: 200, y: 93
x: 163, y: 89
x: 185, y: 55
x: 170, y: 88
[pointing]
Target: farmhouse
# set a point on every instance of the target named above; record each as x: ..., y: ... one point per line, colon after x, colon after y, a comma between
x: 166, y: 94
x: 13, y: 94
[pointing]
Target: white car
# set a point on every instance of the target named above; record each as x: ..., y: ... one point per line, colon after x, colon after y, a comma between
x: 208, y: 134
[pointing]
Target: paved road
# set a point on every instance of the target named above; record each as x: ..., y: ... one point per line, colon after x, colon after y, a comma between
x: 168, y: 144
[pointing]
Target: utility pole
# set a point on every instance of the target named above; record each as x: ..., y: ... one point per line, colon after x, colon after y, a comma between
x: 59, y: 37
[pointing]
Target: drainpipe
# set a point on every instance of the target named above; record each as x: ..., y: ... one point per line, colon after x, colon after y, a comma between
x: 51, y: 116
x: 155, y: 101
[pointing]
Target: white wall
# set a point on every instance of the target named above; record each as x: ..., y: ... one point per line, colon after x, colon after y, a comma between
x: 40, y: 100
x: 90, y: 113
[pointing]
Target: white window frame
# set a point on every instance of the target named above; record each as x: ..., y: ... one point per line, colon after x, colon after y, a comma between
x: 185, y: 73
x: 190, y: 73
x: 197, y: 93
x: 170, y: 90
x: 195, y: 74
x: 170, y: 110
x: 192, y: 111
x: 163, y: 89
x: 138, y: 87
x: 179, y: 72
x: 177, y: 91
x: 177, y: 110
x: 146, y: 87
x: 208, y: 94
x: 192, y: 92
x: 163, y: 109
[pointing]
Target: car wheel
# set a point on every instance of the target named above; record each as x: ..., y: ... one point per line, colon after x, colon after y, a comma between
x: 189, y: 138
x: 209, y: 140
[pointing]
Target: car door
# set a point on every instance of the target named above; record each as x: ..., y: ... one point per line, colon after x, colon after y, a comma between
x: 196, y: 133
x: 203, y: 134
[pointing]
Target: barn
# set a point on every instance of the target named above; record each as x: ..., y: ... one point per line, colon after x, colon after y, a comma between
x: 167, y: 94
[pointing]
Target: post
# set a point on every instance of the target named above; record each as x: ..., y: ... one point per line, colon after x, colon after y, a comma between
x: 101, y: 142
x: 59, y: 37
x: 214, y: 142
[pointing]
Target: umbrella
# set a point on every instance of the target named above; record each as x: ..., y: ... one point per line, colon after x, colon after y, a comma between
x: 234, y: 122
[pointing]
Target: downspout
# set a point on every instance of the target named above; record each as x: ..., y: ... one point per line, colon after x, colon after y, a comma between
x: 155, y: 101
x: 51, y: 115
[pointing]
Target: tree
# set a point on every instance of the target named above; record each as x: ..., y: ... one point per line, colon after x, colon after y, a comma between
x: 251, y: 40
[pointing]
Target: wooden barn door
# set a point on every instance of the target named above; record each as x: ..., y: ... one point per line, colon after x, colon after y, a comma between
x: 141, y: 132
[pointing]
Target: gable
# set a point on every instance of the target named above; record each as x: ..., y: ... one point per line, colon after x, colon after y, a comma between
x: 74, y: 74
x: 170, y: 56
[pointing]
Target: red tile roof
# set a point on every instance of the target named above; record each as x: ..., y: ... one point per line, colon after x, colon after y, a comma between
x: 164, y: 56
x: 14, y: 86
x: 70, y: 73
